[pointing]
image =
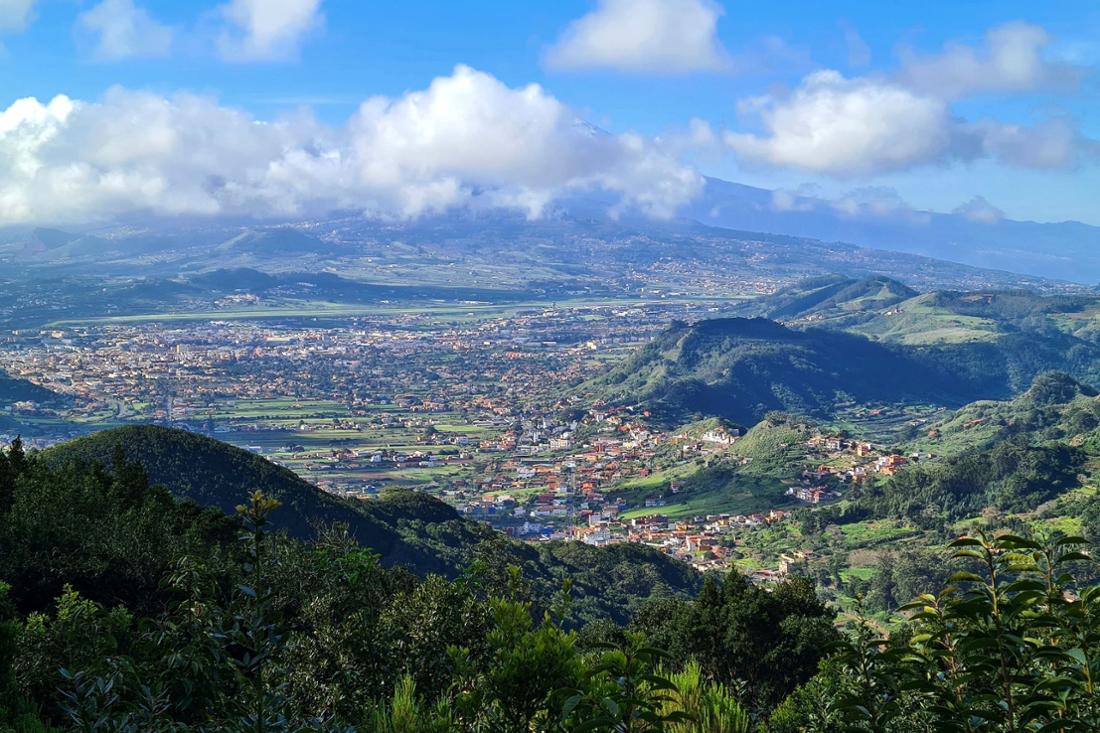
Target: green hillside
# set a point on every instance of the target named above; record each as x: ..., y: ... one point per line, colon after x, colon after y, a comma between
x: 885, y: 309
x: 403, y: 527
x: 742, y: 369
x: 1055, y: 407
x: 832, y: 298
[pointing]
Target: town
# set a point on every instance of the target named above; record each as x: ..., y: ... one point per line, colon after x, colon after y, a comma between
x: 477, y: 411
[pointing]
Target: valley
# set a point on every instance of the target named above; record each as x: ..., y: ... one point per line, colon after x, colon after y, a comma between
x: 749, y: 428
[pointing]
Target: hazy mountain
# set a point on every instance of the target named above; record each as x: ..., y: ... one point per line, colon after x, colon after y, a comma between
x: 735, y: 230
x: 1065, y: 250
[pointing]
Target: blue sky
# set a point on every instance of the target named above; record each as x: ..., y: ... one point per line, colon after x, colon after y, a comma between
x: 752, y: 60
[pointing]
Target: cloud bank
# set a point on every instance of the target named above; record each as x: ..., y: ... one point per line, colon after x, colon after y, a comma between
x: 466, y: 139
x: 663, y: 36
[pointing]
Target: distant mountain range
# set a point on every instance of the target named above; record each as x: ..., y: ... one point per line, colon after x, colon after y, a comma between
x: 1065, y: 250
x: 734, y: 232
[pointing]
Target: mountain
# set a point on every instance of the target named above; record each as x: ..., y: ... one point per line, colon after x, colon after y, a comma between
x: 278, y: 242
x: 1064, y: 250
x: 741, y: 369
x: 403, y: 527
x: 329, y: 286
x: 575, y: 247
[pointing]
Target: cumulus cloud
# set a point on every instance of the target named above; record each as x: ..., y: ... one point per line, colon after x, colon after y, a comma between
x: 866, y: 126
x: 466, y: 139
x: 664, y: 36
x: 846, y: 127
x: 123, y: 30
x: 1012, y: 60
x: 15, y: 14
x: 264, y: 30
x: 979, y: 210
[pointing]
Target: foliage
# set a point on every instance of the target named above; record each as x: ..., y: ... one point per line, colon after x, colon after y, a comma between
x: 1010, y: 476
x: 166, y: 617
x: 1008, y: 646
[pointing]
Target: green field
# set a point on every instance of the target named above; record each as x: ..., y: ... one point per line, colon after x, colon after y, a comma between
x: 438, y: 311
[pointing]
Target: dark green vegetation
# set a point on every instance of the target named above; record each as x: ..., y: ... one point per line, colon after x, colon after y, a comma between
x: 124, y: 609
x: 742, y: 369
x: 20, y: 390
x: 1007, y: 457
x: 1008, y: 477
x: 402, y: 527
x: 1007, y: 645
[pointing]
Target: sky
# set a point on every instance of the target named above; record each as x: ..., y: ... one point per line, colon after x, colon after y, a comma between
x: 288, y: 107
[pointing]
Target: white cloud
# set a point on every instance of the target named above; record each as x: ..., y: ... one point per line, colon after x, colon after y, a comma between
x: 861, y: 204
x: 664, y: 36
x: 465, y: 140
x: 264, y: 30
x: 123, y: 30
x: 979, y: 210
x: 845, y: 127
x: 15, y: 14
x: 866, y: 126
x: 1012, y: 60
x: 1050, y: 144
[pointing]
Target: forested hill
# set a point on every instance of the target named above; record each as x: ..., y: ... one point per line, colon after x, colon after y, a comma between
x: 212, y: 473
x: 403, y: 527
x: 742, y: 369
